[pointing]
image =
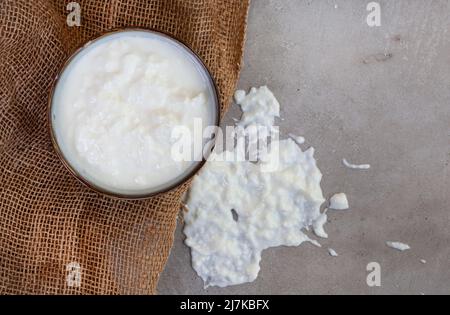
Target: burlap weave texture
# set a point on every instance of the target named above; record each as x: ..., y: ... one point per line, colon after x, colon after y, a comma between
x: 49, y: 222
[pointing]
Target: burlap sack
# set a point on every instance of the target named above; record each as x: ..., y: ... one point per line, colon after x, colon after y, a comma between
x: 50, y: 224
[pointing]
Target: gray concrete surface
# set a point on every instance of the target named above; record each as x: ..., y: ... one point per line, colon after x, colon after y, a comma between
x: 374, y: 95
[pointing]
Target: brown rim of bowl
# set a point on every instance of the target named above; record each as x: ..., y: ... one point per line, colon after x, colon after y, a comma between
x: 64, y: 160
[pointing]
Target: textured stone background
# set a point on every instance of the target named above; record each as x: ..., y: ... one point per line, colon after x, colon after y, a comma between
x: 373, y: 95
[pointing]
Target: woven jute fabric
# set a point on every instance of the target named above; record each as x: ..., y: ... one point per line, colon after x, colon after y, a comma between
x: 56, y: 235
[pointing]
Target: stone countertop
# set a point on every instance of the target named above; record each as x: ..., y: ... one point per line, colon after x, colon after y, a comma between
x: 377, y: 95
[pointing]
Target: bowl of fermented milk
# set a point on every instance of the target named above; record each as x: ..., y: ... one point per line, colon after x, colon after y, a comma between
x: 120, y: 106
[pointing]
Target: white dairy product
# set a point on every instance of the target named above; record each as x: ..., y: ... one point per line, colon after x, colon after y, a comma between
x: 355, y: 166
x: 259, y: 107
x: 236, y: 210
x: 239, y: 96
x: 313, y: 242
x: 272, y: 210
x: 332, y: 252
x: 339, y: 202
x: 299, y: 140
x: 117, y: 104
x: 398, y: 246
x: 318, y: 226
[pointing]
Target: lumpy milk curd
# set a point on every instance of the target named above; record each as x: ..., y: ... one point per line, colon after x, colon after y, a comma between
x: 239, y: 209
x: 117, y: 103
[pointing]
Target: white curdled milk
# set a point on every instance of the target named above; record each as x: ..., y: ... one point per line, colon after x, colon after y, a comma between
x: 237, y: 210
x: 339, y: 202
x: 398, y: 246
x: 117, y: 103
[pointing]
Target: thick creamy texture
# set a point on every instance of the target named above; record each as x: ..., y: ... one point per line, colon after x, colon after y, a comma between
x: 298, y: 139
x: 259, y: 107
x: 339, y: 202
x: 236, y: 210
x: 398, y: 246
x: 318, y: 225
x: 117, y: 105
x: 332, y: 252
x: 356, y: 166
x: 272, y: 209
